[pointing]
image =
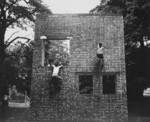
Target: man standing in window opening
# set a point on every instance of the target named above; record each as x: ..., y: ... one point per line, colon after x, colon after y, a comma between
x: 100, y: 53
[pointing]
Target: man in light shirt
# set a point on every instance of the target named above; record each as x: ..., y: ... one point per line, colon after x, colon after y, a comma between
x: 56, y: 69
x: 100, y: 53
x: 56, y: 79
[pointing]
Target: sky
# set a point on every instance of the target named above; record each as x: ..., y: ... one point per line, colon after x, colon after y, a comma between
x: 60, y: 7
x: 71, y: 6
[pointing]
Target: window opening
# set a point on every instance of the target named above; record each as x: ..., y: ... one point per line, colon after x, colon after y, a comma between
x: 85, y: 84
x: 109, y: 84
x: 55, y: 51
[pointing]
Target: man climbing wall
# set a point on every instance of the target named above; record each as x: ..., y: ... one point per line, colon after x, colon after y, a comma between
x: 56, y: 79
x: 100, y: 54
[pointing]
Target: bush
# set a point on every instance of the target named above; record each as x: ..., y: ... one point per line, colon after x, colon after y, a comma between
x: 13, y: 95
x: 20, y: 98
x: 136, y: 87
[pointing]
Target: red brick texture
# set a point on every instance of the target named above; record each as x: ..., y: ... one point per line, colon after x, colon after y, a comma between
x: 86, y: 31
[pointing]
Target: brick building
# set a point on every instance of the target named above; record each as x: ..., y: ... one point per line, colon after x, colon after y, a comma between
x: 106, y: 98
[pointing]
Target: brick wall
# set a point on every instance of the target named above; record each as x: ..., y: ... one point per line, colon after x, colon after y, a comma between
x: 86, y: 31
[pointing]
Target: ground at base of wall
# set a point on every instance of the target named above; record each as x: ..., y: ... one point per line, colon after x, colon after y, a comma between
x: 20, y: 115
x: 134, y: 119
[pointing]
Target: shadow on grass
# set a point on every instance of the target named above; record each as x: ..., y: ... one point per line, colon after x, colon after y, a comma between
x: 14, y: 115
x: 138, y: 110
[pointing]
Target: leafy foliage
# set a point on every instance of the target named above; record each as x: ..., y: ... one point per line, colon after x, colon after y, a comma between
x: 57, y: 52
x: 18, y: 66
x: 136, y: 25
x: 15, y: 13
x: 19, y: 11
x: 136, y: 15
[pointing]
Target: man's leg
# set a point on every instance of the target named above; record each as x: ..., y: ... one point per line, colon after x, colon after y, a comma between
x: 59, y: 77
x: 101, y: 62
x: 57, y: 82
x: 52, y: 85
x: 102, y: 65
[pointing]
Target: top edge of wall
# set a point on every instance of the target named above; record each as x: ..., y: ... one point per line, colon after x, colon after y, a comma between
x: 81, y: 14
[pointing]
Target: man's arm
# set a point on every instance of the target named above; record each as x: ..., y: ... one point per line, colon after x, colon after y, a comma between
x: 60, y: 66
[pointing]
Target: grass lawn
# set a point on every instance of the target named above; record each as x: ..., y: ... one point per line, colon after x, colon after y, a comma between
x: 15, y: 115
x: 138, y: 112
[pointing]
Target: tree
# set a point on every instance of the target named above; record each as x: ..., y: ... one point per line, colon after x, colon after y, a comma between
x: 16, y: 13
x: 136, y: 26
x: 22, y: 54
x: 111, y: 6
x: 18, y: 67
x: 136, y: 14
x: 57, y: 52
x: 136, y: 17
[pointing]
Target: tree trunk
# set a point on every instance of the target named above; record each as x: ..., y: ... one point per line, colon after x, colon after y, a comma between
x: 142, y: 59
x: 3, y: 88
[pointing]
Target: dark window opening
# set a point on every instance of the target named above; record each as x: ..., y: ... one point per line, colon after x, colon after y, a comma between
x: 109, y: 84
x: 85, y: 84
